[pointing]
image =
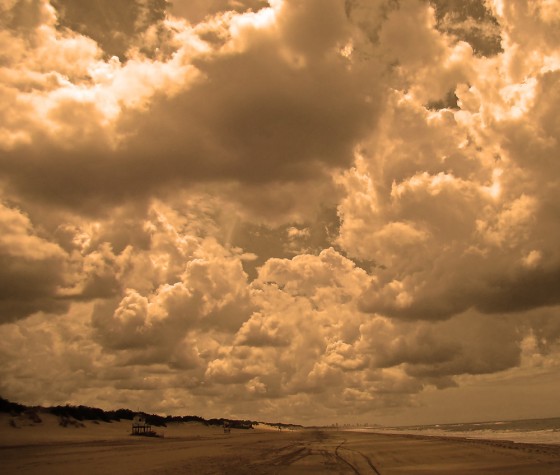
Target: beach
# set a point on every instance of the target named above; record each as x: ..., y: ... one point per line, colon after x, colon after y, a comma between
x: 190, y: 448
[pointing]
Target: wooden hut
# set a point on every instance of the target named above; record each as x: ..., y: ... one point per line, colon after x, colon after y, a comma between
x: 140, y: 426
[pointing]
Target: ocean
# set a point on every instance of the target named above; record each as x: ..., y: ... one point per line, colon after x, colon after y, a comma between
x: 532, y: 431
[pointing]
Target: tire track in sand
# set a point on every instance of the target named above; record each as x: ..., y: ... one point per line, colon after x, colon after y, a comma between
x: 358, y: 458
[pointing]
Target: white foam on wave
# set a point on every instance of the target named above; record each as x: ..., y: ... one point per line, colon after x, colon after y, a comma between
x: 546, y: 436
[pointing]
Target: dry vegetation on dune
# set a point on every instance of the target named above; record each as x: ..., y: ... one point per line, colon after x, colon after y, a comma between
x: 76, y: 415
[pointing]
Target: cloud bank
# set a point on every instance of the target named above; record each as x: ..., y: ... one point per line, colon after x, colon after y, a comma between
x: 305, y: 211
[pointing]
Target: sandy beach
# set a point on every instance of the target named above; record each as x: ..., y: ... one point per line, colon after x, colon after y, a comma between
x: 106, y: 448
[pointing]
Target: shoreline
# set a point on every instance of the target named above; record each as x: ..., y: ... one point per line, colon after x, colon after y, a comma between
x: 545, y: 437
x: 459, y: 438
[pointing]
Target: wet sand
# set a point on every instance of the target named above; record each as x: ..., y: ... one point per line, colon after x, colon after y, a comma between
x: 193, y: 449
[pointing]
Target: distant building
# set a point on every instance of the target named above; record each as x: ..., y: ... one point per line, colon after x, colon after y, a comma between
x: 140, y: 426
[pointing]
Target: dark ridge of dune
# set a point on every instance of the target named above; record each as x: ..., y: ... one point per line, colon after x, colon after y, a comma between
x: 86, y: 413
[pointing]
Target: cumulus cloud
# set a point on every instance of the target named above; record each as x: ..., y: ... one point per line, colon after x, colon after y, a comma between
x: 423, y: 197
x: 305, y: 210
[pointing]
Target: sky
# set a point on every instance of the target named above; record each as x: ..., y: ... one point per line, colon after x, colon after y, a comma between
x: 308, y: 211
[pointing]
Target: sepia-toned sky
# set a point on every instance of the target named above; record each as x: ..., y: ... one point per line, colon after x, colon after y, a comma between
x: 312, y: 211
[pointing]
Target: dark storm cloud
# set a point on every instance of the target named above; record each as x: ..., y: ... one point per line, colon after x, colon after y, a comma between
x: 196, y: 10
x: 31, y: 269
x: 255, y: 119
x: 435, y: 352
x: 114, y: 24
x: 267, y: 113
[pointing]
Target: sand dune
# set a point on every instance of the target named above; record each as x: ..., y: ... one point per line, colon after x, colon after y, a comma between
x: 105, y: 448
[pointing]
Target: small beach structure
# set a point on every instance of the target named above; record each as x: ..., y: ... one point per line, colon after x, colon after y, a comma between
x: 140, y: 426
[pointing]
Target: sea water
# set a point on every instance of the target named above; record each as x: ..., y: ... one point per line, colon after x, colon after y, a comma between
x: 533, y: 431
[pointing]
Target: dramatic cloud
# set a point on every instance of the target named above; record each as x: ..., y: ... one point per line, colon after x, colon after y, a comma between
x: 243, y: 98
x: 290, y: 210
x: 32, y: 268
